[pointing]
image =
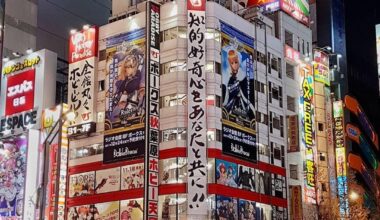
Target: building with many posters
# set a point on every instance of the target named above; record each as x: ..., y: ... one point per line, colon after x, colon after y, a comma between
x: 182, y: 112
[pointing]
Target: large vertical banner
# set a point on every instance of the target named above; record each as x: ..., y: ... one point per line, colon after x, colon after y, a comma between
x: 13, y: 174
x: 152, y: 123
x: 295, y: 202
x: 238, y: 110
x: 340, y: 158
x: 307, y: 127
x: 124, y: 135
x: 378, y: 50
x: 83, y: 48
x: 197, y: 123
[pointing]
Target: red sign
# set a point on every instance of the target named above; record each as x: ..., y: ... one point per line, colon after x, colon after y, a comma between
x: 293, y: 134
x: 196, y: 5
x: 20, y: 92
x: 83, y: 45
x: 292, y: 54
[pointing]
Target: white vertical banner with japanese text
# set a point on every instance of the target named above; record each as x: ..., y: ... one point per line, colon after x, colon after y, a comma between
x: 197, y: 128
x: 82, y: 72
x: 152, y: 122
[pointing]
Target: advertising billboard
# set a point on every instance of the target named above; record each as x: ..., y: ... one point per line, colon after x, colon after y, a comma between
x: 340, y: 157
x: 226, y: 173
x: 24, y: 85
x: 226, y: 207
x: 298, y: 9
x: 196, y: 109
x: 124, y: 135
x: 83, y: 47
x: 131, y: 209
x: 247, y: 210
x: 13, y: 174
x: 153, y: 119
x: 132, y: 176
x: 238, y: 110
x: 307, y: 130
x: 321, y: 67
x: 82, y: 184
x: 107, y: 180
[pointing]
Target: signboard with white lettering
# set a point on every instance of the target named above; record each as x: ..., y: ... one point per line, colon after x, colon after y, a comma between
x: 27, y: 90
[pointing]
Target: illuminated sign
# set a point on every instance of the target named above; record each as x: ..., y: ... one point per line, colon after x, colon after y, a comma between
x: 20, y: 92
x: 81, y: 129
x: 196, y: 116
x: 83, y: 45
x: 27, y: 63
x: 321, y: 67
x: 353, y: 105
x: 340, y: 157
x: 292, y: 54
x: 23, y: 120
x: 82, y: 74
x: 308, y: 131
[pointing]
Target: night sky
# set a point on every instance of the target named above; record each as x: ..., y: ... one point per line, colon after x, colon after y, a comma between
x: 361, y: 18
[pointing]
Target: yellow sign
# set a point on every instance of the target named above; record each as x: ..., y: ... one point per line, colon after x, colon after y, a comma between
x: 28, y: 62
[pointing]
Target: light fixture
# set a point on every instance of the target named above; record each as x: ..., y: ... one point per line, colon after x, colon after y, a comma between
x: 29, y: 51
x: 70, y: 116
x: 339, y: 55
x: 328, y: 48
x: 354, y: 196
x: 86, y: 27
x: 73, y: 31
x: 16, y: 54
x: 307, y: 59
x: 5, y: 59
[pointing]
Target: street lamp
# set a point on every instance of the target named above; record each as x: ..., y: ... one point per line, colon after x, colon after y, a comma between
x: 55, y: 131
x: 353, y: 196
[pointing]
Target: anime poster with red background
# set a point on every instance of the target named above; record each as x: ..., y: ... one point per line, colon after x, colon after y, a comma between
x: 20, y: 92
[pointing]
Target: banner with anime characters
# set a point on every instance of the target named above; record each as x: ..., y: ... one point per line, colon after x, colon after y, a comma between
x: 82, y: 184
x: 226, y: 173
x: 131, y: 209
x: 246, y: 178
x: 239, y: 123
x: 124, y: 136
x: 247, y: 210
x: 226, y: 207
x: 12, y: 177
x: 132, y: 176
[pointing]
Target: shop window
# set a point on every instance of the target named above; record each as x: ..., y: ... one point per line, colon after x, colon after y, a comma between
x: 173, y: 170
x: 173, y: 100
x: 173, y: 66
x: 173, y: 33
x: 173, y: 134
x: 86, y: 151
x: 293, y: 170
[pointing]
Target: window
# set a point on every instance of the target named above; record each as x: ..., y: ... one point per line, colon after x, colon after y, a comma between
x: 289, y: 70
x: 293, y: 169
x: 173, y: 134
x: 173, y: 66
x: 288, y: 38
x: 298, y: 44
x: 277, y: 122
x: 291, y: 103
x: 261, y: 58
x: 173, y: 33
x: 264, y: 150
x: 324, y: 187
x: 101, y: 85
x: 214, y: 100
x: 261, y: 118
x: 279, y: 69
x: 322, y: 157
x: 86, y: 151
x: 303, y: 46
x: 275, y: 92
x: 274, y: 63
x: 173, y: 170
x: 214, y: 135
x: 308, y: 48
x: 173, y: 100
x: 277, y: 153
x: 260, y: 87
x: 212, y: 67
x: 212, y: 34
x: 320, y: 126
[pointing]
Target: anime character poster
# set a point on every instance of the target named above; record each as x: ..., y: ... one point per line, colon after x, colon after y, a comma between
x: 238, y: 110
x: 132, y: 176
x: 263, y: 182
x: 246, y: 178
x: 124, y: 127
x: 82, y: 184
x: 131, y: 209
x: 226, y: 173
x: 107, y: 180
x: 226, y: 208
x: 79, y: 212
x: 105, y: 211
x: 247, y: 210
x: 12, y: 177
